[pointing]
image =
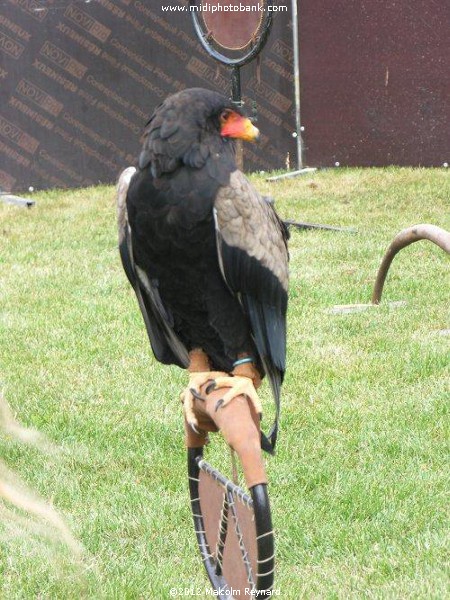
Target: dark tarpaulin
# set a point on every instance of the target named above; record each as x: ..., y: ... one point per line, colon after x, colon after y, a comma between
x: 80, y: 79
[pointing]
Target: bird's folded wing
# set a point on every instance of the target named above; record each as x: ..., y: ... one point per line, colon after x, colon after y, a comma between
x: 253, y: 257
x: 252, y: 248
x: 166, y: 345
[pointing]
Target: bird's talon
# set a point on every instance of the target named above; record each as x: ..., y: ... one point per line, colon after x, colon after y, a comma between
x: 194, y: 391
x: 218, y: 404
x: 196, y: 395
x: 211, y: 387
x: 194, y: 428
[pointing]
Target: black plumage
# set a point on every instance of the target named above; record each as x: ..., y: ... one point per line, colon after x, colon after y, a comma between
x: 205, y: 254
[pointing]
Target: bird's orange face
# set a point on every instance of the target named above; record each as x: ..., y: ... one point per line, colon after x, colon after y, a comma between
x: 234, y: 125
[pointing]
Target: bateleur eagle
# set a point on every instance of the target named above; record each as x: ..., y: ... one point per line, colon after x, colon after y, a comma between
x: 205, y: 253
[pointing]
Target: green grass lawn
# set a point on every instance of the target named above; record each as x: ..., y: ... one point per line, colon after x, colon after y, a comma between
x: 359, y: 486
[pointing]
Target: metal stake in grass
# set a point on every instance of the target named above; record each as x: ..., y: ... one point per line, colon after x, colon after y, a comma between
x: 423, y: 231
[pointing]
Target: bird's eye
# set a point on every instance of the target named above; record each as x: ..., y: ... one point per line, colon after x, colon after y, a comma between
x: 225, y: 115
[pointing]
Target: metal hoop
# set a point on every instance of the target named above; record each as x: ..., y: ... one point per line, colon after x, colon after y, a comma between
x: 233, y: 62
x: 258, y: 502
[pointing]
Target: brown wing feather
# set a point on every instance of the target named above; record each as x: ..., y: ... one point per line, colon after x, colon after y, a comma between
x: 246, y: 221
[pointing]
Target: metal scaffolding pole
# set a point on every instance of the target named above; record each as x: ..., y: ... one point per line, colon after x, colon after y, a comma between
x: 297, y: 84
x: 298, y: 131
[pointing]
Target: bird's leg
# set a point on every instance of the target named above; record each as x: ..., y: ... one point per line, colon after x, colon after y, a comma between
x: 199, y: 375
x: 247, y: 369
x: 244, y: 380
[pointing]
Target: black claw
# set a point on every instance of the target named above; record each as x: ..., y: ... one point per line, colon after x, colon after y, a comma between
x: 211, y: 387
x: 193, y: 426
x: 196, y: 394
x: 219, y: 404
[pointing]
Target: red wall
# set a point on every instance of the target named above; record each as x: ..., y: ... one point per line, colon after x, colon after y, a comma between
x: 375, y: 81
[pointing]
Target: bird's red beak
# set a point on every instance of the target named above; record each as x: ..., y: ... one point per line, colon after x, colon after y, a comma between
x: 239, y: 127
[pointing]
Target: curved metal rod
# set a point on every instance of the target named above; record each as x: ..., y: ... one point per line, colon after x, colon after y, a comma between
x: 423, y: 231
